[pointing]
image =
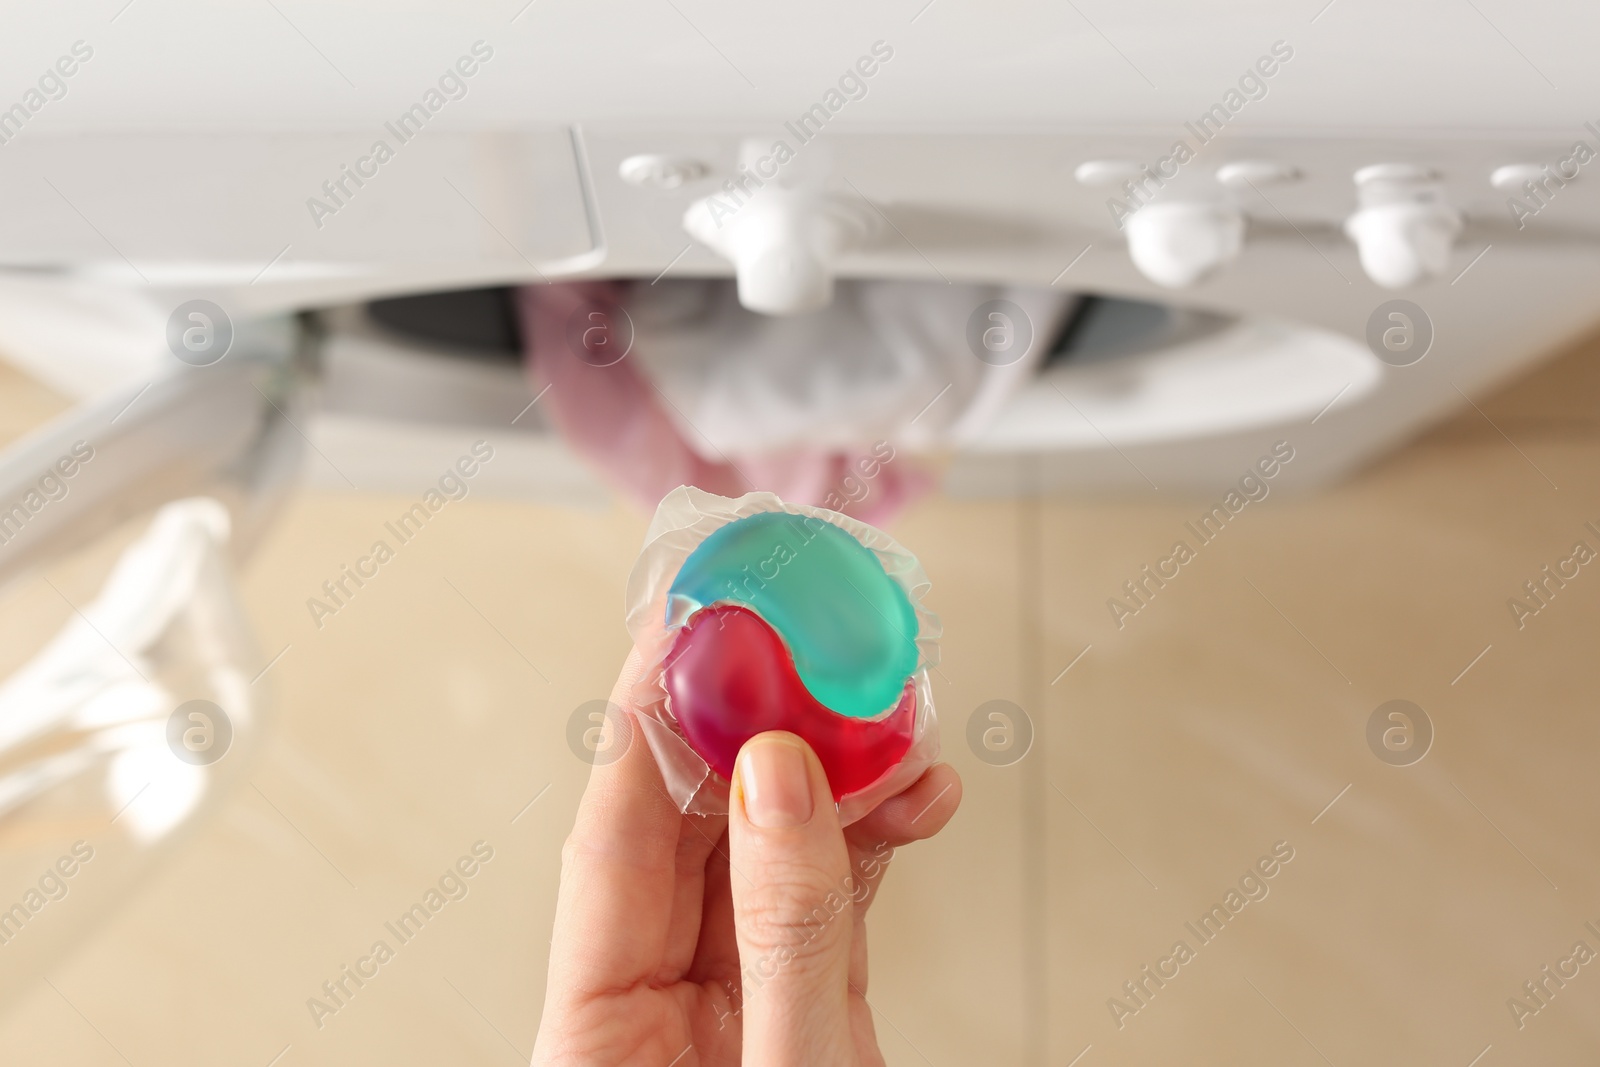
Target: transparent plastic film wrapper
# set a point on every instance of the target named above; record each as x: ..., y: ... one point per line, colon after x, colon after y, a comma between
x: 753, y: 615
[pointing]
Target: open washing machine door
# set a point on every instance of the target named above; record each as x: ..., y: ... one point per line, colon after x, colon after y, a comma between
x: 131, y: 690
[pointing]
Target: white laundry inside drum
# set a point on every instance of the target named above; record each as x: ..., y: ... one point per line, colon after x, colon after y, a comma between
x: 887, y: 359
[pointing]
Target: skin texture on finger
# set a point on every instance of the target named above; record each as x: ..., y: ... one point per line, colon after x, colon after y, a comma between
x: 699, y: 839
x: 792, y: 919
x: 717, y: 954
x: 916, y: 813
x: 714, y: 972
x: 628, y: 920
x: 862, y: 1030
x: 618, y: 871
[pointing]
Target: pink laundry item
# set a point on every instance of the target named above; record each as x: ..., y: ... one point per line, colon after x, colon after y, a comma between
x: 608, y: 410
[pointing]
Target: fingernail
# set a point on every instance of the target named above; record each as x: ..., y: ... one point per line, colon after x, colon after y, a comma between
x: 776, y: 783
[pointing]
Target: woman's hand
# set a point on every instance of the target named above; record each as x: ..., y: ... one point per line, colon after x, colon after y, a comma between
x: 707, y: 941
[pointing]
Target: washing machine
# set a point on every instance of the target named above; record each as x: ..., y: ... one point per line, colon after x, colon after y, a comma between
x: 275, y: 245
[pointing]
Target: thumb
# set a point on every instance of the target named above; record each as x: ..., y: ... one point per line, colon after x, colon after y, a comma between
x: 791, y: 905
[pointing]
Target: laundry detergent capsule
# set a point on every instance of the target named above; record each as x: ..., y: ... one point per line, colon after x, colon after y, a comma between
x: 783, y: 619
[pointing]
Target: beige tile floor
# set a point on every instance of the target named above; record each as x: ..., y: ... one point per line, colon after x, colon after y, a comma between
x: 1223, y: 718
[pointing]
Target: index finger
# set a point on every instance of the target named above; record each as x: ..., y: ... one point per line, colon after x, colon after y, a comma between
x: 618, y: 865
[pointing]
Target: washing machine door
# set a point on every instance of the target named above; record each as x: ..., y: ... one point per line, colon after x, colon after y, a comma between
x: 131, y: 690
